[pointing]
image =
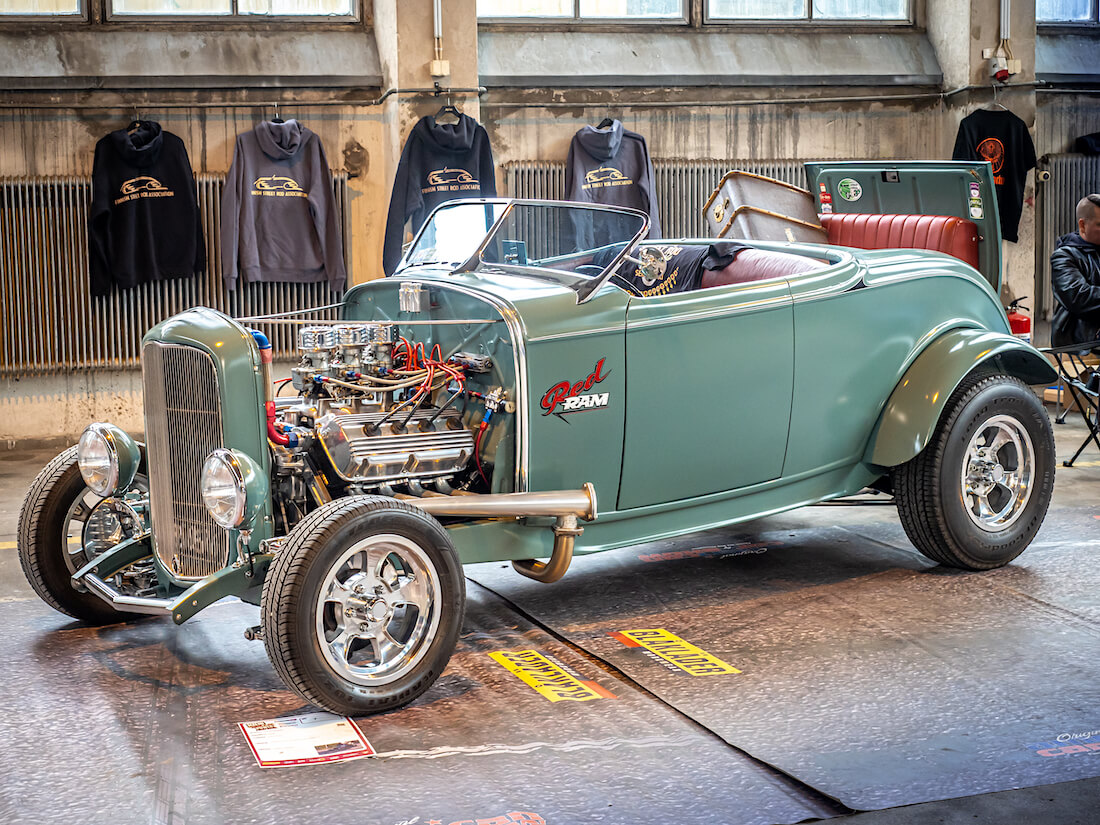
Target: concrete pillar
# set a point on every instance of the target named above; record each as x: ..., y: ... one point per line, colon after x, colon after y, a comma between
x: 960, y: 32
x: 404, y: 32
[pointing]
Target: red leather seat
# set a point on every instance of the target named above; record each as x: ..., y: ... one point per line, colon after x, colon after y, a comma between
x: 940, y: 233
x: 758, y: 265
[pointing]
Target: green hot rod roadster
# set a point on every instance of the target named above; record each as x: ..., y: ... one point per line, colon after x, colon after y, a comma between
x: 528, y: 360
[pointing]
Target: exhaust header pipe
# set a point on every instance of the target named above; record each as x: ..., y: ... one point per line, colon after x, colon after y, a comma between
x: 565, y: 506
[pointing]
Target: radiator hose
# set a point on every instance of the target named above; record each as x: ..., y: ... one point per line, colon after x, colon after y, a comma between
x: 266, y: 355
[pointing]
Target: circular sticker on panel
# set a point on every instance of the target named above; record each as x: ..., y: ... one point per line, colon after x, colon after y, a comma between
x: 849, y: 189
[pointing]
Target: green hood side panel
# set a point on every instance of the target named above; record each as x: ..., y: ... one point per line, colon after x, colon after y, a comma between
x: 543, y: 339
x: 240, y: 386
x: 917, y: 187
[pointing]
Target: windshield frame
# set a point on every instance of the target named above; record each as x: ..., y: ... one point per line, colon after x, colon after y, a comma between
x: 585, y: 287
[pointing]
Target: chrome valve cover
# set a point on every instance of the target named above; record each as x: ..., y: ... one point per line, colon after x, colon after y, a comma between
x: 365, y: 452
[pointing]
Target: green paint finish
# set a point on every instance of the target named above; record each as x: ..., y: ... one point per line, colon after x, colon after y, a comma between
x: 918, y: 187
x: 708, y: 391
x: 229, y: 581
x: 240, y: 386
x: 916, y: 404
x: 854, y: 344
x: 119, y: 557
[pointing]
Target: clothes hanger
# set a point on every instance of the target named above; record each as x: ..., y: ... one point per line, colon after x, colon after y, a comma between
x: 447, y: 108
x: 135, y: 124
x: 606, y: 122
x: 276, y: 118
x: 996, y: 102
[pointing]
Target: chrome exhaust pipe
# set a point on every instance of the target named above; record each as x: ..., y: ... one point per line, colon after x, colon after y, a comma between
x: 578, y: 503
x: 564, y: 506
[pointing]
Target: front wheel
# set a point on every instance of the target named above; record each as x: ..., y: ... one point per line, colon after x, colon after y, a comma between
x: 62, y: 526
x: 363, y: 605
x: 976, y: 495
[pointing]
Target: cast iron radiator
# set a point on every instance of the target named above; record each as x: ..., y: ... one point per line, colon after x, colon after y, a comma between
x: 681, y: 186
x: 1071, y: 177
x: 50, y: 323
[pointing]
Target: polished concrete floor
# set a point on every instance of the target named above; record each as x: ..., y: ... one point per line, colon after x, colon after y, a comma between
x: 873, y: 687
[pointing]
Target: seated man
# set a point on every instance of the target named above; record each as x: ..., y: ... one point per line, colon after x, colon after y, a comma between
x: 1075, y: 278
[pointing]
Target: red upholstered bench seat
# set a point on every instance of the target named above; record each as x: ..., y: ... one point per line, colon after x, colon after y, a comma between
x: 759, y: 265
x: 939, y: 233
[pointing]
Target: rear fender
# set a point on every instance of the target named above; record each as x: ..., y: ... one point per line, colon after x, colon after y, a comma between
x: 914, y: 408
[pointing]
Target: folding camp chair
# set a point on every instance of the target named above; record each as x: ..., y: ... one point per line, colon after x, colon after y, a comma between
x: 1082, y: 380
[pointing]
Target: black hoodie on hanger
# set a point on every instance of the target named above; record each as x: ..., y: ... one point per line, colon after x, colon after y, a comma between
x: 144, y: 222
x: 611, y: 165
x: 440, y: 162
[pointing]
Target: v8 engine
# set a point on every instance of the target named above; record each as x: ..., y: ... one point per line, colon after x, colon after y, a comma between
x: 378, y: 412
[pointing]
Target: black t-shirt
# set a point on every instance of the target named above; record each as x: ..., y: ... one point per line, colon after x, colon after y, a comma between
x: 678, y: 268
x: 1001, y: 138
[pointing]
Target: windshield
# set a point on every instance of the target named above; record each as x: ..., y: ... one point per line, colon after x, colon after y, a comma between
x: 563, y: 237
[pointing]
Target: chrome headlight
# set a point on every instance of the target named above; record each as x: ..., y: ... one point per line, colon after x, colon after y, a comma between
x: 234, y: 488
x: 223, y: 488
x: 108, y: 459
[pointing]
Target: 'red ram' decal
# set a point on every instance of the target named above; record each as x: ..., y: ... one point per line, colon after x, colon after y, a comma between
x: 568, y: 395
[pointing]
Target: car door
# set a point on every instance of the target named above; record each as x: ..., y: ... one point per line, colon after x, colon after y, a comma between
x: 708, y: 389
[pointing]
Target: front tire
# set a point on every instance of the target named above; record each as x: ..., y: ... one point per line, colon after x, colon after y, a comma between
x: 363, y: 605
x: 976, y: 495
x: 51, y: 548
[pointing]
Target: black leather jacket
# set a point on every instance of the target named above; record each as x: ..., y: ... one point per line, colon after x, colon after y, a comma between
x: 1075, y: 278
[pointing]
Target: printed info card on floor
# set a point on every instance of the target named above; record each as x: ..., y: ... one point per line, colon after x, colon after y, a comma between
x: 310, y: 739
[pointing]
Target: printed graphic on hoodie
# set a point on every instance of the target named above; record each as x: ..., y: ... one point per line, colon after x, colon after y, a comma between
x: 142, y: 186
x: 605, y: 176
x: 277, y: 186
x: 451, y: 180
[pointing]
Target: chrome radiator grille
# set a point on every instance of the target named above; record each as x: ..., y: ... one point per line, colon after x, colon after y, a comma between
x: 183, y: 425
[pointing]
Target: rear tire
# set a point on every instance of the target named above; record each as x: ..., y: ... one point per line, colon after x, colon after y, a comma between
x: 55, y: 507
x: 976, y: 495
x: 363, y: 605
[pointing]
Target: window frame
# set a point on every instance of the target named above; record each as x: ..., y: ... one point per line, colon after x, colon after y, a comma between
x: 232, y: 19
x: 84, y: 15
x: 808, y: 20
x: 542, y: 21
x: 1072, y: 25
x: 696, y: 15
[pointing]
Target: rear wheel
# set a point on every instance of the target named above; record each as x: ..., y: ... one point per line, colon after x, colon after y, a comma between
x: 363, y: 605
x: 53, y: 540
x: 976, y: 495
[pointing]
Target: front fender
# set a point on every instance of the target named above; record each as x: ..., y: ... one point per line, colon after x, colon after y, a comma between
x: 914, y: 408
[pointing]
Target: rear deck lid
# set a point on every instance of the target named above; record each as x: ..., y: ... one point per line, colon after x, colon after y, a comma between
x: 915, y: 187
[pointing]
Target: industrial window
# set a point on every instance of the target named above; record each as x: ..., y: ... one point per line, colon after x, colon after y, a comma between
x: 1066, y: 11
x: 583, y: 9
x: 41, y: 8
x: 870, y: 10
x: 235, y: 8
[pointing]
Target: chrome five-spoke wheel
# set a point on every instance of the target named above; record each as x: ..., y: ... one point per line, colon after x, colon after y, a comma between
x: 997, y: 473
x: 363, y: 604
x: 378, y: 612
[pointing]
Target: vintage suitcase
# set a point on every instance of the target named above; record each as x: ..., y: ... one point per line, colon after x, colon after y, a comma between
x: 757, y: 208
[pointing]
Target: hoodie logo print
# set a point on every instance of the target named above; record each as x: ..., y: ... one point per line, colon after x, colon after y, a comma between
x: 605, y: 176
x: 278, y: 186
x: 451, y: 180
x: 142, y: 187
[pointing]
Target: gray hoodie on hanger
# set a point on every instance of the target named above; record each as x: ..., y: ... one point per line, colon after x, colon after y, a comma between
x: 279, y: 219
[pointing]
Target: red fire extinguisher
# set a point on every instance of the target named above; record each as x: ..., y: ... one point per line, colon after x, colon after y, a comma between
x: 1019, y: 323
